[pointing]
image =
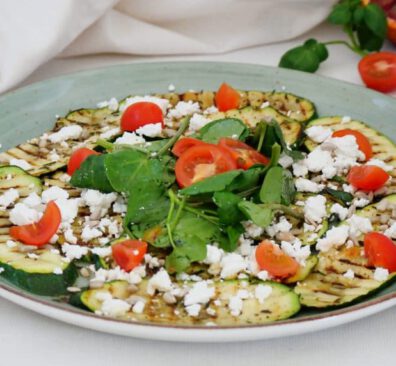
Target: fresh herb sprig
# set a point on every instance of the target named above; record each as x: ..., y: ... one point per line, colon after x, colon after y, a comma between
x: 365, y: 26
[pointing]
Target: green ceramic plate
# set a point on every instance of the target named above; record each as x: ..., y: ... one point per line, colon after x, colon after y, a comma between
x: 29, y: 111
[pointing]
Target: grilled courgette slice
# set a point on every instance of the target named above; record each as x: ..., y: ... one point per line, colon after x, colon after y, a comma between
x: 282, y: 303
x: 17, y: 178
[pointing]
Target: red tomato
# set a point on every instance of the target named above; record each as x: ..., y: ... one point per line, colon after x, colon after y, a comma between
x: 273, y: 260
x: 244, y: 155
x: 184, y: 144
x: 380, y: 251
x: 367, y: 177
x: 140, y: 114
x: 77, y: 158
x: 41, y: 232
x: 227, y: 98
x: 129, y: 254
x: 378, y: 71
x: 361, y: 140
x: 202, y: 161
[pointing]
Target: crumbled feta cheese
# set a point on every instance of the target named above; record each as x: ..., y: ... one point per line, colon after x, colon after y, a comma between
x: 130, y: 138
x: 235, y: 303
x: 318, y: 133
x: 193, y: 310
x: 72, y: 132
x: 23, y: 164
x: 184, y: 109
x: 120, y: 206
x: 98, y: 202
x: 245, y: 246
x: 296, y: 250
x: 11, y: 244
x: 159, y: 282
x: 160, y: 102
x: 213, y: 254
x: 132, y: 277
x: 329, y: 172
x: 53, y: 156
x: 89, y: 233
x: 102, y: 252
x: 69, y: 236
x: 197, y: 121
x: 315, y: 209
x: 381, y: 164
x: 24, y: 215
x: 359, y: 225
x: 1, y: 270
x: 300, y: 169
x: 285, y: 161
x: 231, y: 265
x: 110, y: 133
x: 112, y: 104
x: 210, y: 110
x: 57, y: 271
x: 318, y: 159
x: 54, y: 193
x: 335, y: 237
x: 391, y: 231
x: 361, y: 202
x: 138, y: 307
x: 150, y: 130
x: 340, y: 211
x: 263, y: 275
x: 171, y: 88
x: 252, y: 230
x: 115, y: 307
x: 200, y: 293
x: 265, y: 105
x: 349, y: 274
x: 282, y: 226
x: 346, y: 119
x: 33, y: 201
x: 262, y: 292
x: 9, y: 197
x: 68, y: 209
x: 305, y: 185
x: 74, y: 251
x: 381, y: 274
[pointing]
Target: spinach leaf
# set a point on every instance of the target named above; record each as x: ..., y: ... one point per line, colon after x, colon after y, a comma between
x: 228, y: 127
x: 271, y: 190
x: 228, y: 211
x: 177, y: 262
x: 340, y: 196
x: 261, y: 216
x: 212, y: 184
x: 229, y: 242
x: 131, y: 170
x: 92, y: 175
x: 341, y: 14
x: 288, y: 189
x: 375, y: 19
x: 247, y: 180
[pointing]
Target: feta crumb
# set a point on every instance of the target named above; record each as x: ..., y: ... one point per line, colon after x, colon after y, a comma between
x: 138, y: 307
x: 53, y: 155
x: 98, y: 203
x: 282, y: 226
x: 213, y: 254
x: 381, y: 274
x: 262, y: 292
x: 252, y: 230
x: 110, y: 133
x: 315, y: 209
x: 150, y: 130
x: 115, y: 307
x: 340, y: 211
x: 210, y: 110
x: 391, y: 231
x: 159, y: 282
x: 231, y: 264
x: 200, y: 293
x: 112, y: 104
x: 57, y: 271
x: 265, y: 105
x: 296, y: 250
x: 160, y: 102
x: 171, y: 88
x: 263, y: 275
x: 184, y: 109
x: 69, y: 236
x: 102, y: 252
x: 11, y: 244
x: 361, y: 202
x: 285, y: 161
x: 72, y: 132
x: 23, y: 164
x: 197, y: 121
x: 381, y: 164
x: 346, y: 119
x: 193, y: 310
x: 305, y: 185
x: 130, y: 138
x: 9, y: 197
x: 335, y: 237
x: 359, y: 225
x: 89, y: 233
x: 74, y: 251
x: 33, y: 201
x: 24, y: 215
x: 318, y: 159
x: 300, y: 169
x: 318, y: 133
x: 54, y: 193
x: 349, y: 274
x: 120, y: 206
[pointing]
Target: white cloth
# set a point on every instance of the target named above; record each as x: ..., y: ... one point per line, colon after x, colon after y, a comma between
x: 32, y: 32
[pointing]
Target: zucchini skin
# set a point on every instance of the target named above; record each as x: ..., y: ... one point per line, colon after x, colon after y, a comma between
x: 45, y: 284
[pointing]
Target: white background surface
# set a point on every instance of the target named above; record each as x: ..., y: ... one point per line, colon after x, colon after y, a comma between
x: 30, y: 339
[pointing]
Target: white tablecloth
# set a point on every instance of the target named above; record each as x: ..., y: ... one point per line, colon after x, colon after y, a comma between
x: 30, y: 339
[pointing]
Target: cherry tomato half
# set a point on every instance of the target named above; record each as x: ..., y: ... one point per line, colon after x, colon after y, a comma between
x: 380, y: 251
x: 140, y: 114
x: 78, y: 157
x: 227, y: 98
x: 378, y: 71
x: 244, y: 155
x: 41, y: 232
x: 361, y: 140
x: 202, y: 161
x: 184, y: 144
x: 129, y: 254
x: 367, y: 177
x: 272, y: 259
